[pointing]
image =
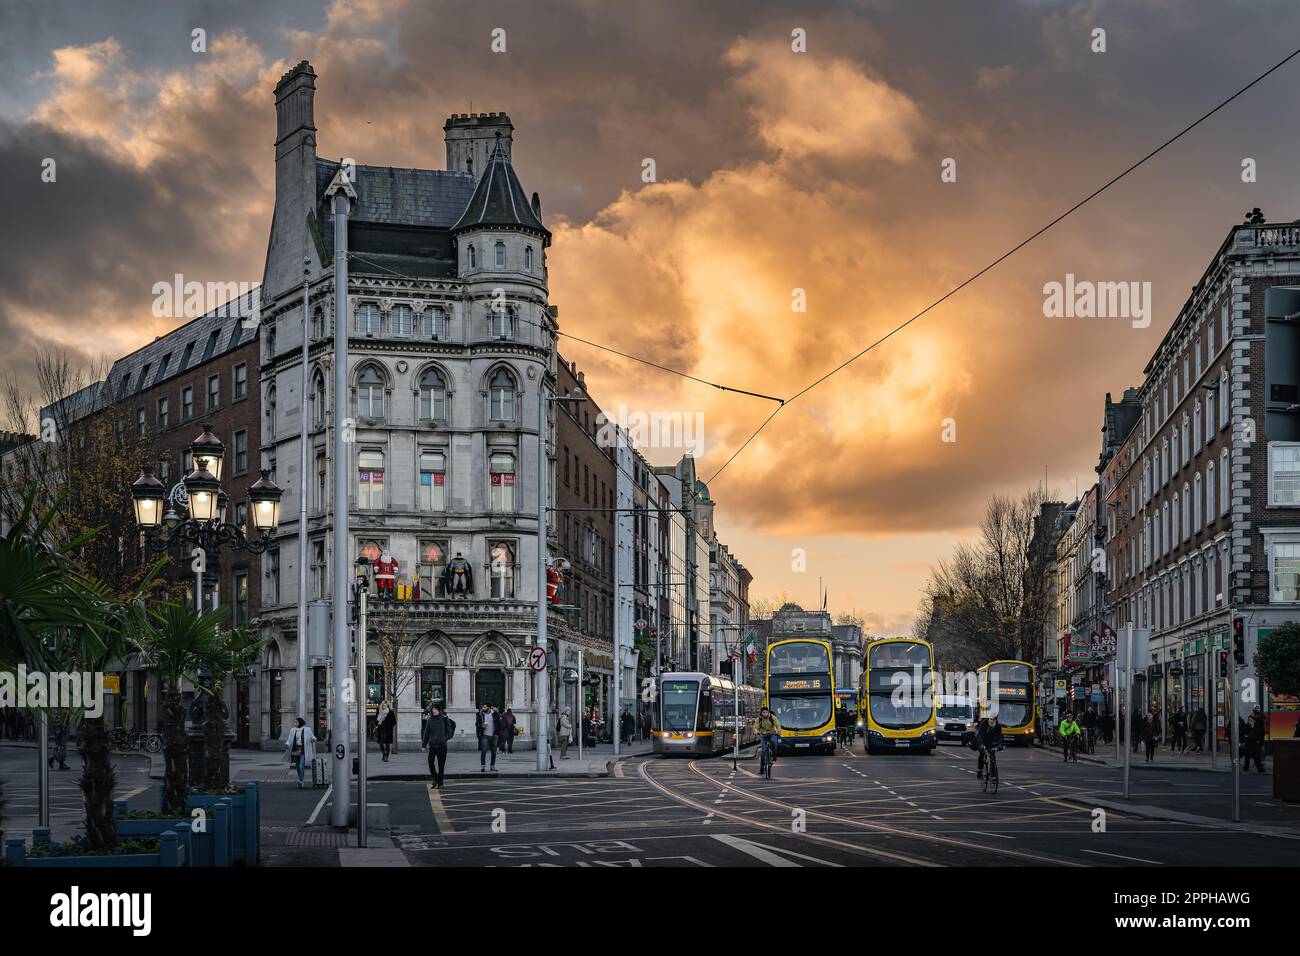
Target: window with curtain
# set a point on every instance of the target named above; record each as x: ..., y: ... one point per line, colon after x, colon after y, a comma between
x: 433, y: 395
x: 1286, y: 571
x: 432, y: 562
x: 501, y: 396
x: 503, y: 482
x: 433, y: 477
x: 1283, y: 474
x: 400, y: 320
x: 433, y: 322
x: 368, y: 318
x: 370, y: 393
x: 370, y: 479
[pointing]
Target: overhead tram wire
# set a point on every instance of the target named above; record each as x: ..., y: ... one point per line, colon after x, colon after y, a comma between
x: 1006, y: 255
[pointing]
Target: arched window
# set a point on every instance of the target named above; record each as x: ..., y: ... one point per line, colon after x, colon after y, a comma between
x: 503, y: 481
x: 433, y: 395
x: 370, y: 393
x: 501, y: 396
x: 401, y: 320
x: 1196, y: 425
x: 528, y: 258
x: 1209, y: 420
x: 368, y: 319
x: 503, y: 322
x: 1187, y: 440
x: 1175, y: 461
x: 1225, y: 414
x: 433, y: 322
x: 501, y: 255
x: 317, y: 323
x: 370, y: 479
x: 1225, y: 483
x: 270, y: 412
x: 1210, y: 512
x: 1164, y: 528
x: 317, y: 398
x: 473, y: 257
x: 1196, y: 504
x: 502, y: 556
x: 1187, y: 512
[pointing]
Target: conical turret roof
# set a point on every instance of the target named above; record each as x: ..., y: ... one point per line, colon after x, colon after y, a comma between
x: 499, y: 200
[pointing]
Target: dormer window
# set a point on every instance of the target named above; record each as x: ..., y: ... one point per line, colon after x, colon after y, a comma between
x: 501, y: 255
x: 472, y: 257
x: 528, y: 258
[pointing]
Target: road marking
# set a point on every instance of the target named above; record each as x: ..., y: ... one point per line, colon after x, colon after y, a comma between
x: 439, y: 811
x: 768, y: 855
x: 618, y: 769
x: 312, y: 819
x: 1001, y: 836
x: 1121, y: 857
x: 132, y: 793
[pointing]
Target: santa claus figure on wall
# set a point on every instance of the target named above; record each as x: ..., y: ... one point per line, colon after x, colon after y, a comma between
x: 386, y: 574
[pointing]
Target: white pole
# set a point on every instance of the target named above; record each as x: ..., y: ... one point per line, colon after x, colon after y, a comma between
x: 1211, y: 725
x: 1128, y: 724
x: 361, y: 716
x: 302, y: 493
x: 543, y: 676
x: 582, y: 704
x: 617, y: 711
x: 342, y: 566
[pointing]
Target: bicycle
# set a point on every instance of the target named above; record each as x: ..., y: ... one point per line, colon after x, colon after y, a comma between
x: 990, y: 768
x: 1071, y: 746
x: 765, y: 759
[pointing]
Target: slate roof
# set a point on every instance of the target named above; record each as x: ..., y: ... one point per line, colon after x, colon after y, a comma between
x: 499, y: 200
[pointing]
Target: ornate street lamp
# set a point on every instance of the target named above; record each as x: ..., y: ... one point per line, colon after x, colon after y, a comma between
x: 202, y: 488
x: 148, y: 495
x: 264, y: 496
x: 210, y: 447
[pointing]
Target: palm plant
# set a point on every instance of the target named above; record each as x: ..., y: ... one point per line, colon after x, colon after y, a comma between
x: 179, y: 643
x: 239, y: 649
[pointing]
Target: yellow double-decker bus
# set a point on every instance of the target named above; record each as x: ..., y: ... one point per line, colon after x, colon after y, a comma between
x: 1009, y: 686
x: 800, y: 691
x: 896, y: 697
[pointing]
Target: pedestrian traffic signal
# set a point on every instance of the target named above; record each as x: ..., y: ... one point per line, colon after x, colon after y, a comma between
x: 1239, y: 641
x: 1223, y: 663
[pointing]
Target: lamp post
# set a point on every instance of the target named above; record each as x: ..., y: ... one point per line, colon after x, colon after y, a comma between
x: 204, y: 528
x: 542, y: 564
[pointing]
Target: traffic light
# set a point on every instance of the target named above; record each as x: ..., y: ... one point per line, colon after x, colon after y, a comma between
x: 1239, y: 641
x: 1223, y: 663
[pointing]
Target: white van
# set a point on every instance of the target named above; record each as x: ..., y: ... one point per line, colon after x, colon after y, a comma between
x: 957, y: 718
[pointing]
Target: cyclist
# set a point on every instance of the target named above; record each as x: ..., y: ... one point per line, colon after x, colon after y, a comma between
x: 988, y: 736
x: 1070, y: 734
x: 769, y: 731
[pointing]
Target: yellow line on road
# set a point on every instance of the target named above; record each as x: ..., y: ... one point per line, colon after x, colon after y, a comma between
x: 440, y: 812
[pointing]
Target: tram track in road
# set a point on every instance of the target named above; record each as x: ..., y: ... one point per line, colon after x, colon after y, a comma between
x: 885, y: 829
x: 888, y: 856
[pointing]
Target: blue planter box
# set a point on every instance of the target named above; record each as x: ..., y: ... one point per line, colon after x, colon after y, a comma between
x: 246, y: 818
x: 172, y: 853
x: 128, y: 827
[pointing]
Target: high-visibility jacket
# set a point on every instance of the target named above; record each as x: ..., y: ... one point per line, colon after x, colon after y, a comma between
x: 1069, y: 728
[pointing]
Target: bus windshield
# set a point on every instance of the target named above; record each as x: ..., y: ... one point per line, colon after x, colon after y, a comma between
x: 1015, y: 693
x: 801, y: 713
x: 799, y: 657
x: 898, y: 690
x: 678, y: 699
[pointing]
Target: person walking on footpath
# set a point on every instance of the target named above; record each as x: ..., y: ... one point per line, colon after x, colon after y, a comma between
x: 300, y: 745
x: 1179, y: 742
x: 1199, y: 723
x: 486, y: 725
x: 385, y: 724
x: 59, y: 744
x: 1253, y: 742
x: 1151, y: 735
x: 506, y: 744
x: 437, y: 731
x: 564, y: 731
x: 625, y: 726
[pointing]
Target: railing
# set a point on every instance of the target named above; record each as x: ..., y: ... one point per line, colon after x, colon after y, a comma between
x: 1277, y: 235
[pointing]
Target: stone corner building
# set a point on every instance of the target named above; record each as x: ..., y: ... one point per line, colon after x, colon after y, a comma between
x: 452, y: 342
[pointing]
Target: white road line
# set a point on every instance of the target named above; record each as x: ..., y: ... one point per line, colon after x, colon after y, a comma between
x: 1000, y: 836
x: 768, y: 855
x: 312, y: 819
x: 1118, y: 856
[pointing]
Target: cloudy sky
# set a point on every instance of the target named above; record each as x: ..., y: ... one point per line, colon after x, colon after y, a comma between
x: 776, y: 170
